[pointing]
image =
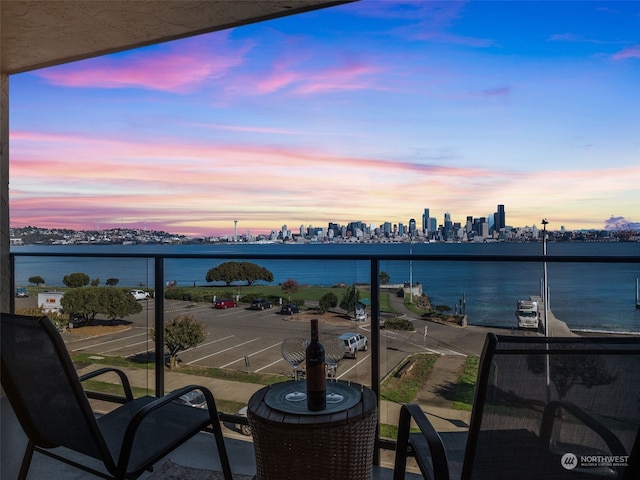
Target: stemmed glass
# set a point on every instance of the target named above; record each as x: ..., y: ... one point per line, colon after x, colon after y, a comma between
x: 333, y: 353
x: 294, y: 351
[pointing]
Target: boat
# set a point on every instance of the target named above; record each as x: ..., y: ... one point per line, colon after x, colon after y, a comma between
x: 527, y: 314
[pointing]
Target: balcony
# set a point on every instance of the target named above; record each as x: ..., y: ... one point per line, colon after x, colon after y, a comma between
x: 387, y: 349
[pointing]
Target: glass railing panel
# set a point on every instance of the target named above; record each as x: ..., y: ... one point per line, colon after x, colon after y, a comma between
x: 108, y: 338
x: 241, y: 350
x: 467, y: 299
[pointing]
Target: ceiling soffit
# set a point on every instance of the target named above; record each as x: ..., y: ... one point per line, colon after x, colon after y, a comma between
x: 38, y: 34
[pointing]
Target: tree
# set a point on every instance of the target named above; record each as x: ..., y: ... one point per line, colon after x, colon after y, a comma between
x: 349, y: 299
x: 90, y: 302
x: 290, y: 286
x: 180, y: 334
x: 95, y: 282
x: 566, y: 371
x: 112, y: 282
x: 75, y: 280
x: 327, y: 301
x: 117, y: 303
x: 230, y: 272
x: 38, y: 280
x: 252, y: 273
x: 384, y: 278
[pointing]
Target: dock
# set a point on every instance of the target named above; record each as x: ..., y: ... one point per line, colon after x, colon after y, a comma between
x: 557, y: 328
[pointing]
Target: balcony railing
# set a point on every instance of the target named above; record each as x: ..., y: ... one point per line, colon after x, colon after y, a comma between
x: 373, y: 262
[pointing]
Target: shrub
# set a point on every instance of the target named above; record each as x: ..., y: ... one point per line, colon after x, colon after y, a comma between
x: 327, y: 301
x: 399, y: 324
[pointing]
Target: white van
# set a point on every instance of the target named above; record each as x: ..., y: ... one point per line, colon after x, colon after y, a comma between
x: 50, y: 301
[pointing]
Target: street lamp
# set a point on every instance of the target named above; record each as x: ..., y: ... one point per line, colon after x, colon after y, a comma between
x: 545, y: 296
x: 545, y: 299
x: 411, y: 272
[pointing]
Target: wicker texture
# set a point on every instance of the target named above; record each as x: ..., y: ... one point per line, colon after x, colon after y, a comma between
x: 326, y: 447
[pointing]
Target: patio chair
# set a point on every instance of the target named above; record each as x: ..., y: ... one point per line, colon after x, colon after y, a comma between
x: 544, y: 408
x: 54, y: 411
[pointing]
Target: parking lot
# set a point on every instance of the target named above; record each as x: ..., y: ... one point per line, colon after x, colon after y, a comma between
x: 249, y: 340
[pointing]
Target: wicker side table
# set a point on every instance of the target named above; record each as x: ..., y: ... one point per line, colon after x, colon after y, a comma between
x: 319, y: 446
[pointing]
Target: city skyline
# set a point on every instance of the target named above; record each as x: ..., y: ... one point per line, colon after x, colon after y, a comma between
x: 370, y: 110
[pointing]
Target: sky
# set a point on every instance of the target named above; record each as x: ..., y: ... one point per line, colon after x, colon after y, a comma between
x: 370, y: 111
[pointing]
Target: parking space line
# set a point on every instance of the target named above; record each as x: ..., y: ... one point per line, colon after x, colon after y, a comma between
x: 108, y: 341
x: 269, y: 365
x: 251, y: 355
x: 353, y: 366
x: 222, y: 351
x: 126, y: 346
x: 211, y: 342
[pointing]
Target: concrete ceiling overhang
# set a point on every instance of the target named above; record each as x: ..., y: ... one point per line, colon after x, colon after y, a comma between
x: 41, y: 33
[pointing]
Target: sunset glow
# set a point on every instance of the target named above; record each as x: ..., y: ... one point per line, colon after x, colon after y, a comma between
x: 369, y: 111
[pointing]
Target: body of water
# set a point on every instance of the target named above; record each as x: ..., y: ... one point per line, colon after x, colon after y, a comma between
x: 592, y: 297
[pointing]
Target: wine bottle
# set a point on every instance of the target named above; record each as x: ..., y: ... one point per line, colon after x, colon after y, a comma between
x: 316, y: 376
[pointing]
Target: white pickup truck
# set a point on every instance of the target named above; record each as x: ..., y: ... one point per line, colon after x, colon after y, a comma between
x: 352, y: 343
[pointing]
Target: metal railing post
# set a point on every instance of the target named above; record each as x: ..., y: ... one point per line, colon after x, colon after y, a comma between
x: 158, y: 285
x: 375, y: 342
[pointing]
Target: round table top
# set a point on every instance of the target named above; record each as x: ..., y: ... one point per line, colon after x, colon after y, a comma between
x: 276, y: 397
x: 359, y: 401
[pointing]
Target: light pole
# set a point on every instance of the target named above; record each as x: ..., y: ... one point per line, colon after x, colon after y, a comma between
x: 545, y: 295
x: 411, y: 272
x: 545, y: 299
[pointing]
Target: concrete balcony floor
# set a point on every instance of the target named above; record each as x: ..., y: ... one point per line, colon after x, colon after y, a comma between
x: 199, y: 452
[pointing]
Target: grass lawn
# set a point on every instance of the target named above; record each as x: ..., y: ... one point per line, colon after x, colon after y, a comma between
x: 466, y: 385
x: 404, y: 389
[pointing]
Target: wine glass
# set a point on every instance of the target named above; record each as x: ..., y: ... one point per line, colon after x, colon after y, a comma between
x: 294, y: 351
x: 333, y: 353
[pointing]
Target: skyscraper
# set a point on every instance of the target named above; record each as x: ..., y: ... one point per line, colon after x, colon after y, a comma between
x: 412, y: 227
x: 499, y: 220
x: 448, y: 226
x: 425, y: 221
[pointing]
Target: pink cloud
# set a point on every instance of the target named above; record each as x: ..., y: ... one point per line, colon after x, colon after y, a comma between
x: 350, y: 75
x: 181, y: 68
x: 629, y: 52
x: 571, y: 37
x: 201, y: 186
x: 191, y: 190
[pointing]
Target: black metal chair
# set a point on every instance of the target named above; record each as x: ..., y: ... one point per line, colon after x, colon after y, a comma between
x: 544, y: 408
x: 54, y: 410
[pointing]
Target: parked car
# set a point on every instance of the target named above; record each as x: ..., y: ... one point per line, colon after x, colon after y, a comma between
x: 139, y: 294
x: 260, y: 304
x: 225, y: 303
x: 361, y: 315
x: 289, y: 309
x: 21, y: 292
x: 244, y: 429
x: 354, y: 342
x: 194, y: 398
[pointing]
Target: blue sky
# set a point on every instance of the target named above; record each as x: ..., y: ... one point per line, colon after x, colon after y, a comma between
x: 368, y: 111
